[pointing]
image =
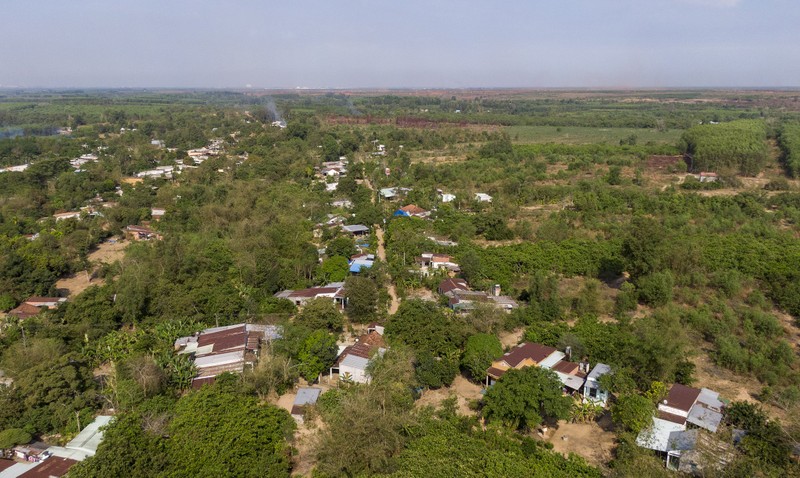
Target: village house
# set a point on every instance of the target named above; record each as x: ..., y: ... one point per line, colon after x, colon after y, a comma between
x: 412, y: 210
x: 342, y: 203
x: 141, y: 233
x: 707, y: 177
x: 463, y: 299
x: 393, y: 193
x: 39, y: 460
x: 430, y: 262
x: 528, y: 354
x: 446, y: 197
x: 224, y: 349
x: 306, y: 396
x: 359, y: 262
x: 353, y: 360
x: 334, y: 291
x: 356, y: 230
x: 163, y: 172
x: 683, y: 408
x: 442, y: 242
x: 592, y: 390
x: 482, y: 197
x: 61, y: 216
x: 157, y: 212
x: 33, y: 305
x: 333, y: 169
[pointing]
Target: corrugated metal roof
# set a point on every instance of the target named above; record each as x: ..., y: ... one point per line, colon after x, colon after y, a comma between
x: 219, y: 359
x: 354, y: 361
x: 656, y: 437
x: 307, y: 396
x: 705, y: 417
x: 599, y: 370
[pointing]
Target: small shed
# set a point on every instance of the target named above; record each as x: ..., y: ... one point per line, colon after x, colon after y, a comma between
x: 305, y: 396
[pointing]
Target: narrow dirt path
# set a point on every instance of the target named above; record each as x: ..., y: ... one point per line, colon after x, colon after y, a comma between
x: 382, y: 252
x: 382, y: 256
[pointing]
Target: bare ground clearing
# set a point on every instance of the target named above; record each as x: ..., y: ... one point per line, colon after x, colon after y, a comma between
x: 106, y: 253
x: 464, y: 391
x: 593, y: 441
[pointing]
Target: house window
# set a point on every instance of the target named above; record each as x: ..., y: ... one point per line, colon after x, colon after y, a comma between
x: 592, y: 393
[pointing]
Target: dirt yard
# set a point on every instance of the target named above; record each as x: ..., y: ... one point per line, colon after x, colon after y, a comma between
x: 464, y: 390
x: 106, y: 253
x: 593, y: 441
x: 511, y: 339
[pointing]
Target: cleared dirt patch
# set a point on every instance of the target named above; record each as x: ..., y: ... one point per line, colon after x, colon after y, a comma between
x: 464, y: 391
x: 729, y: 385
x: 591, y: 441
x: 511, y: 339
x: 106, y: 252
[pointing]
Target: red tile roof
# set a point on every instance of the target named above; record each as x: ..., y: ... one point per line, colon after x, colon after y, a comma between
x: 413, y: 209
x: 527, y: 350
x: 682, y: 397
x: 24, y: 311
x: 366, y: 345
x: 449, y: 285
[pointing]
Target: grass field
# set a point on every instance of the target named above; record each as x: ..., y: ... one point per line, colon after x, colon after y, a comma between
x: 584, y: 135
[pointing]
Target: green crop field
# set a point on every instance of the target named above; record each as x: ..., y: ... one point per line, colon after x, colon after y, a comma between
x: 586, y: 135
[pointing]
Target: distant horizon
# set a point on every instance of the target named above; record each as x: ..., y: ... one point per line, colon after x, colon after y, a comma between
x: 401, y: 88
x: 360, y: 44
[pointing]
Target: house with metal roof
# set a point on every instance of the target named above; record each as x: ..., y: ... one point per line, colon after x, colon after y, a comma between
x: 528, y: 354
x: 224, y: 349
x: 305, y: 396
x: 359, y: 262
x: 412, y: 210
x: 354, y: 359
x: 683, y: 408
x: 356, y: 230
x: 333, y: 291
x: 592, y: 390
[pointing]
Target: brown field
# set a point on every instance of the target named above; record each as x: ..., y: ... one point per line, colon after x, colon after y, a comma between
x: 105, y: 253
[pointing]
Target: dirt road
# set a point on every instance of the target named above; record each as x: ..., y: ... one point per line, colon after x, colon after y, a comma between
x: 382, y: 252
x: 382, y: 256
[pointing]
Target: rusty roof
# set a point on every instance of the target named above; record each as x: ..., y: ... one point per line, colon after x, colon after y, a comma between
x: 224, y: 340
x: 55, y: 466
x: 681, y: 397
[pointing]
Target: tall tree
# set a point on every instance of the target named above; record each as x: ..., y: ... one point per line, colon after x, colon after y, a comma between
x: 523, y: 398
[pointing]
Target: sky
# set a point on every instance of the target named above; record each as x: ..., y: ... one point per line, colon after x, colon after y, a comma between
x: 399, y: 44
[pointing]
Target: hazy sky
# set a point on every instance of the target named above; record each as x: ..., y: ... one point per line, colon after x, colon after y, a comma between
x: 403, y: 43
